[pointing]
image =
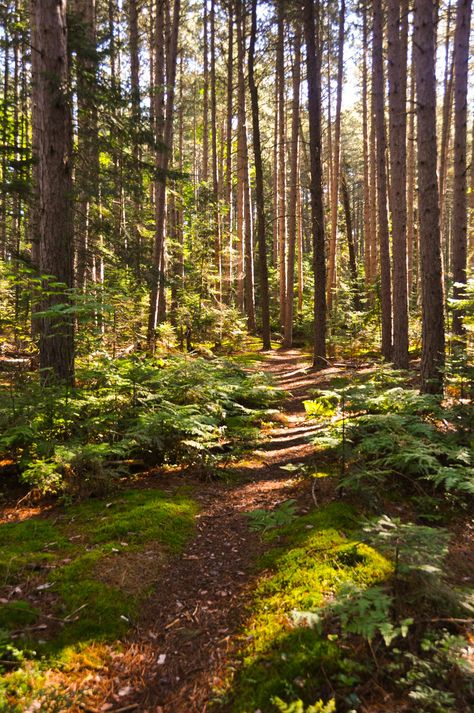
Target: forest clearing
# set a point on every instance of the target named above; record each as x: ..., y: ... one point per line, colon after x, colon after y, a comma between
x: 236, y: 356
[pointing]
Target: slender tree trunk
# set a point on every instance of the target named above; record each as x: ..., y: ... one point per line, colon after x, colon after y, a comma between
x: 228, y: 171
x: 215, y: 181
x: 397, y: 72
x: 433, y: 339
x: 205, y: 122
x: 411, y: 187
x: 136, y: 115
x: 246, y: 247
x: 299, y: 217
x: 164, y: 132
x: 317, y: 209
x: 336, y: 161
x: 374, y: 249
x: 459, y: 226
x: 446, y: 124
x: 280, y: 71
x: 293, y: 193
x: 53, y: 121
x: 350, y: 240
x: 259, y: 190
x: 365, y: 132
x: 87, y: 169
x: 275, y: 175
x: 378, y: 88
x: 471, y: 204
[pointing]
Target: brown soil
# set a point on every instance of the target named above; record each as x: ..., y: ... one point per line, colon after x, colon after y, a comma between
x: 182, y: 642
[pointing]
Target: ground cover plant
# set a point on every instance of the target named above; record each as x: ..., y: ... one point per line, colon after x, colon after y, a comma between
x: 357, y: 601
x: 135, y: 411
x: 77, y: 580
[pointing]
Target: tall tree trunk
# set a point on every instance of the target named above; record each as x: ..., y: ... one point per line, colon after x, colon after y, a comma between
x: 53, y: 121
x: 205, y: 122
x: 293, y: 193
x: 365, y: 132
x: 280, y: 72
x: 459, y: 226
x: 432, y: 360
x: 246, y: 255
x: 397, y: 73
x: 378, y: 89
x: 215, y: 181
x: 471, y: 203
x: 317, y: 209
x: 228, y: 156
x: 136, y: 117
x: 446, y: 125
x: 350, y: 240
x: 164, y: 132
x: 336, y: 161
x: 374, y: 249
x: 87, y: 169
x: 299, y: 218
x: 259, y: 190
x: 411, y: 187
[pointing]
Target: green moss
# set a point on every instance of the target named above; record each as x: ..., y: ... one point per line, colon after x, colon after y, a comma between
x: 318, y: 554
x: 138, y: 516
x: 14, y: 615
x: 90, y: 610
x: 30, y: 542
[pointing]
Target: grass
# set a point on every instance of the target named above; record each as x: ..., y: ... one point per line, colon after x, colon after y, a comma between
x: 75, y: 547
x: 318, y: 554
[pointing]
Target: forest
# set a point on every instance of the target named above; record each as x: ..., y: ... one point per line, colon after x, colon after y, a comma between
x: 236, y: 356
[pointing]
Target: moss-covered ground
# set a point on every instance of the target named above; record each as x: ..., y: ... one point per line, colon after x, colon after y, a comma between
x: 53, y: 570
x: 316, y: 554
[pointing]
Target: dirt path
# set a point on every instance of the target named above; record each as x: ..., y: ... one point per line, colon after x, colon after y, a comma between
x: 180, y: 646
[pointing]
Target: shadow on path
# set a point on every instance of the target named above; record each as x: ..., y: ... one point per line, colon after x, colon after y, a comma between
x: 180, y: 644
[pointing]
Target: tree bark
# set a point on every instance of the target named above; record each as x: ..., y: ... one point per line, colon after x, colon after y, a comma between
x: 350, y: 240
x: 378, y: 89
x: 246, y: 247
x: 87, y: 169
x: 433, y: 339
x: 336, y: 160
x: 459, y: 225
x: 280, y: 72
x: 397, y: 73
x: 164, y: 132
x: 53, y: 121
x: 365, y: 133
x: 259, y: 190
x: 316, y: 185
x: 293, y: 192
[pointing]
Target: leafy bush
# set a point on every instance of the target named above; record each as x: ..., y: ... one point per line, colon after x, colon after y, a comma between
x: 391, y: 434
x: 174, y: 410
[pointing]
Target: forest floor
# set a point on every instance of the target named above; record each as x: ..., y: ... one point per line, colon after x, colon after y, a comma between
x: 181, y: 649
x: 184, y: 640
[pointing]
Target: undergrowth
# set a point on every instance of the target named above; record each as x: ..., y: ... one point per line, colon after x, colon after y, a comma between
x: 356, y: 605
x: 134, y: 411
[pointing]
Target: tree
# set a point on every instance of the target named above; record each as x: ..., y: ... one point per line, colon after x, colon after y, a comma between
x: 293, y: 192
x: 259, y: 194
x: 433, y: 338
x: 164, y: 108
x: 397, y: 81
x: 337, y: 158
x: 316, y: 182
x: 52, y: 119
x: 459, y: 226
x: 379, y: 112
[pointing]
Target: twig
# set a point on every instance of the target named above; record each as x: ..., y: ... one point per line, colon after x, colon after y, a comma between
x: 68, y: 617
x: 313, y: 492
